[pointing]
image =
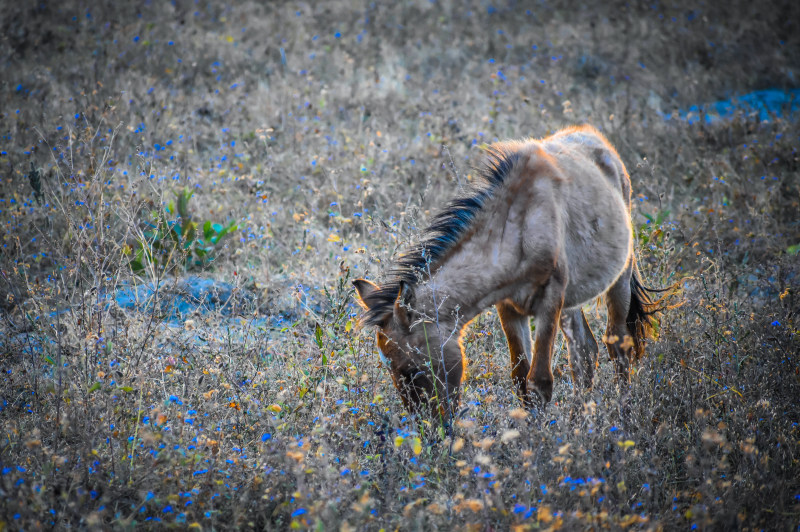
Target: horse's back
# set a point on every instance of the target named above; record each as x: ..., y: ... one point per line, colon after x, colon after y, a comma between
x: 587, y: 145
x: 594, y: 198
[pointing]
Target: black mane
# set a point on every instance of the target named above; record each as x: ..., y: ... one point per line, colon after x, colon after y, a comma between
x: 446, y: 229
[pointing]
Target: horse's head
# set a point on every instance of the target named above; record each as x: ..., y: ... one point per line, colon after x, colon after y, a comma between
x: 424, y: 357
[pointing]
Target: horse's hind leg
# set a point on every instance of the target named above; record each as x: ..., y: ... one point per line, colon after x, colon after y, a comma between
x: 581, y: 346
x: 619, y: 338
x: 518, y: 333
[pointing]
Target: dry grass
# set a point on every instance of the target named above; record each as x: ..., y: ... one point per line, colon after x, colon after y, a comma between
x: 330, y: 134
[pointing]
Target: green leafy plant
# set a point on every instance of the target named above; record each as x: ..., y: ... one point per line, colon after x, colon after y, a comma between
x: 172, y: 240
x: 652, y: 232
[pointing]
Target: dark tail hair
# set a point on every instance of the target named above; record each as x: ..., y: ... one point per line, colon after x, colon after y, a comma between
x: 643, y: 313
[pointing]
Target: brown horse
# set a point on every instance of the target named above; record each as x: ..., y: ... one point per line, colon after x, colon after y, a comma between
x: 547, y: 230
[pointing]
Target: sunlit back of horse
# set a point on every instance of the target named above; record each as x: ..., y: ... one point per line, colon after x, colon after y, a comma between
x: 547, y: 230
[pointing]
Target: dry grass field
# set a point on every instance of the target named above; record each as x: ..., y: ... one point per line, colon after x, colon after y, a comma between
x: 276, y: 151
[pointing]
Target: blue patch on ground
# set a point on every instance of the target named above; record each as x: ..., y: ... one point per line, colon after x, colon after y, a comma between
x: 29, y: 343
x: 171, y: 303
x: 766, y: 105
x: 178, y: 300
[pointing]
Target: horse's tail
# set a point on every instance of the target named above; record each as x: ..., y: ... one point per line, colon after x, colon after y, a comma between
x: 644, y: 312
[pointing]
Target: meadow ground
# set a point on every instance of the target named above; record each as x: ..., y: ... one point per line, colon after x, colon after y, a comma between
x: 287, y: 148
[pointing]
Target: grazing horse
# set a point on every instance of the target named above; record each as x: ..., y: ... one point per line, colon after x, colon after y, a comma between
x: 547, y: 229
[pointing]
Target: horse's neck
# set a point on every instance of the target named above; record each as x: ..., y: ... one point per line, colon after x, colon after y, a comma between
x: 441, y: 305
x: 454, y: 297
x: 482, y: 270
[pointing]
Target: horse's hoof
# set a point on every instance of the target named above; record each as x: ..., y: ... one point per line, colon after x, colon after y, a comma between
x: 540, y: 391
x: 581, y: 381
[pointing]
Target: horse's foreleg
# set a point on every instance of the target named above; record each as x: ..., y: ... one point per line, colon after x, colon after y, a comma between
x: 518, y: 333
x: 547, y: 309
x: 618, y: 338
x: 581, y: 346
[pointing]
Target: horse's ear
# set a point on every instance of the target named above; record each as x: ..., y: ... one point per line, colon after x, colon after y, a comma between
x: 365, y: 291
x: 369, y: 296
x: 406, y: 295
x: 403, y: 307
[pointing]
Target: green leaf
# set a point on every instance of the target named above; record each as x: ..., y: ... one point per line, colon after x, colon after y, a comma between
x: 125, y: 388
x: 207, y: 230
x: 231, y: 228
x: 176, y: 230
x: 793, y: 250
x: 171, y: 207
x: 183, y: 203
x: 189, y: 231
x: 95, y: 387
x: 318, y: 336
x: 49, y: 360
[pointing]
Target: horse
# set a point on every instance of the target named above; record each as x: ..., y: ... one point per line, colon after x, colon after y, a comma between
x: 545, y: 230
